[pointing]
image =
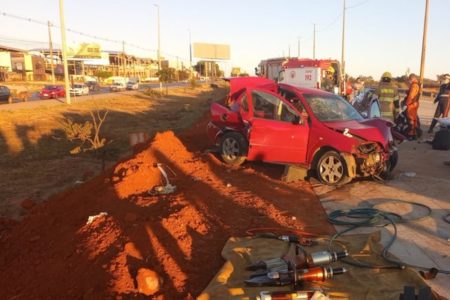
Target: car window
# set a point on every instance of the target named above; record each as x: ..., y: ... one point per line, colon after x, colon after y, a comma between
x: 244, y: 103
x: 267, y: 106
x: 375, y: 110
x: 331, y: 108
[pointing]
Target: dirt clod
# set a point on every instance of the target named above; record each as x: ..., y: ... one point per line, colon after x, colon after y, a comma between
x: 27, y: 204
x: 147, y: 281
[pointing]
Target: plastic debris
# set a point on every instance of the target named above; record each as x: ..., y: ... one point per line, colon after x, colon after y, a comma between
x: 92, y: 218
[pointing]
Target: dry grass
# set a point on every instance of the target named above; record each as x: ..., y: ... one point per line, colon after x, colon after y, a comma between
x: 36, y: 162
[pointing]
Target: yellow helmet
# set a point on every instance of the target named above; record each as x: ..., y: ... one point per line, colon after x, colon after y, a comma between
x: 330, y: 69
x: 386, y: 75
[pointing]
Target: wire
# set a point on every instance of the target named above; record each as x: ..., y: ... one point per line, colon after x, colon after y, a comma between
x: 357, y: 4
x: 372, y: 217
x: 95, y: 37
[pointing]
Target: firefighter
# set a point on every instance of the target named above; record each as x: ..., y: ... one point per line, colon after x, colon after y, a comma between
x: 412, y: 105
x: 328, y: 82
x: 387, y: 94
x: 442, y: 99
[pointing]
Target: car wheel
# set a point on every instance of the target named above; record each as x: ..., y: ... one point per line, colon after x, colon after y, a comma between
x: 233, y: 148
x: 331, y: 169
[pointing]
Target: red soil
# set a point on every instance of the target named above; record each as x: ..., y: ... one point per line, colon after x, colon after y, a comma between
x: 54, y: 254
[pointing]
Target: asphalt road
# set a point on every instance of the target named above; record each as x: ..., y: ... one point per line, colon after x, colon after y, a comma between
x: 35, y: 101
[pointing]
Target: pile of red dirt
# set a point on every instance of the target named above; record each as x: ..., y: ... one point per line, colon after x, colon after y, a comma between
x: 108, y: 238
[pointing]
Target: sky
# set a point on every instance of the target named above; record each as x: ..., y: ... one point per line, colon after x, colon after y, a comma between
x: 380, y: 35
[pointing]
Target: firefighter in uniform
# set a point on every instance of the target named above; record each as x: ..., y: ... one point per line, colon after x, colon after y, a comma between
x: 412, y: 105
x: 387, y: 94
x: 442, y: 99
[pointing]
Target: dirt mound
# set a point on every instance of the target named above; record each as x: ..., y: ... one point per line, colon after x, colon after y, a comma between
x: 56, y: 253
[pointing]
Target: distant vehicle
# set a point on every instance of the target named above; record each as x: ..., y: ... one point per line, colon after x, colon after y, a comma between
x: 93, y: 85
x: 132, y: 85
x: 117, y: 86
x: 52, y: 92
x: 303, y: 73
x: 318, y: 130
x: 5, y: 94
x: 79, y: 89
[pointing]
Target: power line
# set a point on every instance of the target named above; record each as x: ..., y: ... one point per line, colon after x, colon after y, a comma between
x: 357, y: 4
x: 95, y: 37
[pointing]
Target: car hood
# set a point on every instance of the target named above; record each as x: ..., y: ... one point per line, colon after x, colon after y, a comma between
x: 376, y: 130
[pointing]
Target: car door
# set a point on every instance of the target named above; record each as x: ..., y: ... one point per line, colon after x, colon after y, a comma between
x: 276, y: 133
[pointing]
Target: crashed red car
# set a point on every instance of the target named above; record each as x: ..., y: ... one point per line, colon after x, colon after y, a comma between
x: 317, y: 130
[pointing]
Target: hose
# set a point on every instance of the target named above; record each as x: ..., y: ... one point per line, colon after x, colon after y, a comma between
x: 372, y: 217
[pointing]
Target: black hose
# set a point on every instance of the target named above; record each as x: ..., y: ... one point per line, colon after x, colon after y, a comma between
x: 372, y: 217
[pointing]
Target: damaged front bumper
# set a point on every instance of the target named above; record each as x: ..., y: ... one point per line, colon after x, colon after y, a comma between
x: 367, y: 159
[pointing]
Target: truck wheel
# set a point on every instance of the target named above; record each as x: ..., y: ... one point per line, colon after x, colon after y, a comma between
x: 331, y: 169
x: 233, y: 148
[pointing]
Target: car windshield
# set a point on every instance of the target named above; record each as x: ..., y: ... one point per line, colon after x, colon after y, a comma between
x: 50, y: 87
x: 78, y: 86
x: 329, y: 108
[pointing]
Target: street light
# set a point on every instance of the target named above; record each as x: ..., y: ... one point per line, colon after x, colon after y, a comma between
x: 159, y: 52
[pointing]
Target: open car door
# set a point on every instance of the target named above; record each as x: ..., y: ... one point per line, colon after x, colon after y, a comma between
x: 277, y: 132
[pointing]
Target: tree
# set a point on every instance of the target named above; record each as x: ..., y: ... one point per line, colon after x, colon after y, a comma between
x: 103, y: 74
x: 166, y: 75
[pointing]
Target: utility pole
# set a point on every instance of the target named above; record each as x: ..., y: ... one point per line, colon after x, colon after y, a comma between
x: 289, y: 51
x: 159, y: 51
x: 190, y: 56
x: 343, y: 85
x: 298, y: 47
x: 314, y: 42
x: 424, y: 46
x: 51, y: 51
x: 123, y: 59
x: 64, y: 50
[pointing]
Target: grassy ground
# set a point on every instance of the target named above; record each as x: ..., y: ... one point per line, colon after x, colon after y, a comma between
x: 36, y: 160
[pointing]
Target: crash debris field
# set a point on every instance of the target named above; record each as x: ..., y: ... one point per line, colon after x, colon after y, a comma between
x: 108, y: 238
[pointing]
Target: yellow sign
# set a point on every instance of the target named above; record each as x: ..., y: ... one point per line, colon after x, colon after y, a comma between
x: 85, y: 50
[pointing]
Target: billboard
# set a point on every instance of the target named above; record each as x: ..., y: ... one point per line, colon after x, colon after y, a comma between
x: 212, y: 51
x: 85, y: 50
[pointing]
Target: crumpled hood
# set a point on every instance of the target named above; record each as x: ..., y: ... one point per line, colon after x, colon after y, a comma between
x: 239, y: 83
x: 375, y: 130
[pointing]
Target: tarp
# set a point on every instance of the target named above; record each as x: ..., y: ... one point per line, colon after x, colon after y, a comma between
x: 357, y: 283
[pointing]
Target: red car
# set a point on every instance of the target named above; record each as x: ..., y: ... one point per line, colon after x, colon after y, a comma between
x: 52, y: 91
x: 320, y: 131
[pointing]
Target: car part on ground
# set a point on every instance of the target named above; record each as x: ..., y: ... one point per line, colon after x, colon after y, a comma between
x: 165, y: 189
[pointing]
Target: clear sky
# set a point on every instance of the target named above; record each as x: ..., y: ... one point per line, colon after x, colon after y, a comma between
x: 381, y: 35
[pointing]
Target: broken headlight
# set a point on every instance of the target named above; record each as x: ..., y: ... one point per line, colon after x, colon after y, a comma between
x: 367, y: 148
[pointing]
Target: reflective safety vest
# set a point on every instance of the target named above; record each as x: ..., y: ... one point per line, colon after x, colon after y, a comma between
x: 389, y: 100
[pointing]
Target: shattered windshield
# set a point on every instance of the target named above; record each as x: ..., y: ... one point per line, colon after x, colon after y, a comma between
x: 328, y: 108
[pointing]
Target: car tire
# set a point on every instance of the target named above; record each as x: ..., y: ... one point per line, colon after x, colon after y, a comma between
x: 233, y: 148
x: 331, y: 169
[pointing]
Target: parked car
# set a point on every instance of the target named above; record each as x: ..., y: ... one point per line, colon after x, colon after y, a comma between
x: 117, y: 86
x: 52, y: 91
x: 132, y: 85
x: 79, y: 89
x: 5, y: 94
x: 279, y: 123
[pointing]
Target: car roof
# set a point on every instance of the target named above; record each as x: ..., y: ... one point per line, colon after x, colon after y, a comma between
x: 302, y: 91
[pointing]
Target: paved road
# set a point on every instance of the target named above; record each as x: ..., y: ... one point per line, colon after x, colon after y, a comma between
x: 35, y: 101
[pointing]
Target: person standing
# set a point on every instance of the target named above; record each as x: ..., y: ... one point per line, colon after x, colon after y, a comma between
x: 412, y: 105
x: 387, y: 94
x: 442, y: 99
